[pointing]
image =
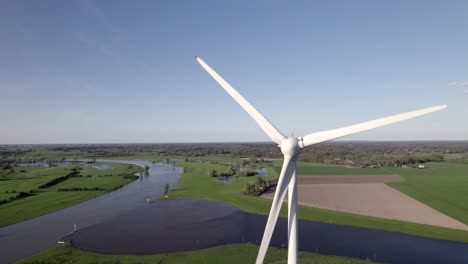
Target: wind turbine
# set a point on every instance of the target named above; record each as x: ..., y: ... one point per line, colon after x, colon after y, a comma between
x: 291, y: 148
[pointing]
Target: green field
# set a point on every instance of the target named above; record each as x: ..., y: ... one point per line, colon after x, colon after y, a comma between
x: 43, y: 201
x: 196, y: 183
x: 321, y: 169
x: 442, y: 186
x: 238, y: 253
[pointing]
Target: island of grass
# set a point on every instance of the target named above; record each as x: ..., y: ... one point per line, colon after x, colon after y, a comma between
x: 27, y: 192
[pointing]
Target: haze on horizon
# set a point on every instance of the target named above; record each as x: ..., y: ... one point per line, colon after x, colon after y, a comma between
x: 118, y: 72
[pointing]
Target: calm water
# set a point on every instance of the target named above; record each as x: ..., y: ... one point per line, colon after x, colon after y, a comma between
x: 30, y: 236
x: 62, y: 163
x: 100, y: 166
x: 227, y: 179
x: 46, y: 163
x: 197, y: 224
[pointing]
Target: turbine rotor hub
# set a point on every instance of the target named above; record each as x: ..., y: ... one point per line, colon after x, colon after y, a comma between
x: 290, y: 147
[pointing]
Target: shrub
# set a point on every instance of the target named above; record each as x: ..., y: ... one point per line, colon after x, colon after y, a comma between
x: 59, y: 180
x: 256, y: 189
x: 129, y: 176
x: 76, y: 189
x: 17, y: 197
x: 212, y: 173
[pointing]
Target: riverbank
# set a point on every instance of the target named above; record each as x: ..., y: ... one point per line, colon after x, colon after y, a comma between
x: 183, y: 225
x: 31, y: 236
x: 228, y: 254
x: 88, y: 183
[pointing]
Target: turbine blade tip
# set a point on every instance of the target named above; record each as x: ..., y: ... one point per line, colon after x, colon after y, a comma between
x: 440, y: 107
x: 196, y: 57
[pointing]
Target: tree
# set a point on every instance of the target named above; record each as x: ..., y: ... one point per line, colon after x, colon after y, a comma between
x: 260, y: 182
x: 437, y: 157
x: 166, y: 188
x: 212, y: 173
x: 253, y: 160
x: 75, y: 169
x: 6, y: 165
x: 245, y: 188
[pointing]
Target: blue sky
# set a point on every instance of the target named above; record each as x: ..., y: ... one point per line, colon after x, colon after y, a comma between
x: 124, y: 71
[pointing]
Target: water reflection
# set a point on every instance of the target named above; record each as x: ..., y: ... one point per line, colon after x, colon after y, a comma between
x: 227, y: 179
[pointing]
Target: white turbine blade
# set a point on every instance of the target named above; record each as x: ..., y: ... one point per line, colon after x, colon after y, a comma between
x: 287, y: 171
x: 267, y: 127
x: 323, y: 136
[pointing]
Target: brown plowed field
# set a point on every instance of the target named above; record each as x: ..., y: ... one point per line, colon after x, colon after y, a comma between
x: 367, y: 195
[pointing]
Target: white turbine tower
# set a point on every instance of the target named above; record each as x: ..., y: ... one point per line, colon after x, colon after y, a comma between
x: 291, y: 148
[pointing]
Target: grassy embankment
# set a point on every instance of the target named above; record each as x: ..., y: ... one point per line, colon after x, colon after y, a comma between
x: 238, y: 253
x: 196, y: 183
x: 46, y: 200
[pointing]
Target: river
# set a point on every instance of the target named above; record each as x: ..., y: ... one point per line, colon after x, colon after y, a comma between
x: 31, y: 236
x: 186, y: 225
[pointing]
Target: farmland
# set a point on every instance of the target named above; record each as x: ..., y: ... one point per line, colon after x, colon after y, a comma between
x: 88, y: 183
x: 196, y: 184
x: 440, y: 185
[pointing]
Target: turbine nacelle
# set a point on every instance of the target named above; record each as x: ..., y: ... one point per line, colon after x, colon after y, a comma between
x: 291, y: 147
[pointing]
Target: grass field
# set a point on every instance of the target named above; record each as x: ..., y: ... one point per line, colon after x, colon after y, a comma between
x: 196, y: 183
x: 322, y: 169
x: 25, y: 179
x: 238, y: 253
x: 442, y: 186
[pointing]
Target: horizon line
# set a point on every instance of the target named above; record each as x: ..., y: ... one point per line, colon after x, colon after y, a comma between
x: 231, y: 142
